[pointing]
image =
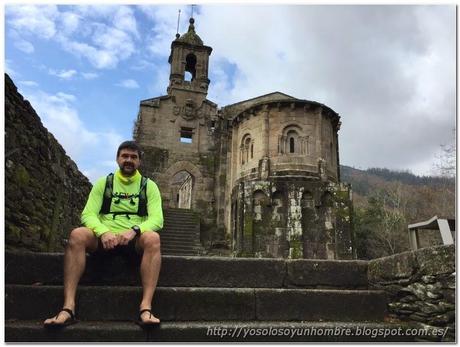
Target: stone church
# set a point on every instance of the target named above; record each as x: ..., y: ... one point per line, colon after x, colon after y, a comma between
x: 263, y: 174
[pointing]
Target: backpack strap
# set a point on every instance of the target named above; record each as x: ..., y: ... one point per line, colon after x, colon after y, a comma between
x: 107, y: 198
x: 142, y: 207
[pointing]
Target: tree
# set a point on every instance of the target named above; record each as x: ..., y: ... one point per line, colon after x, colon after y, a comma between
x: 445, y: 164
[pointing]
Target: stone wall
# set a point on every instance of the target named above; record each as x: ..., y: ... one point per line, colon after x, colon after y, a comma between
x: 292, y: 219
x: 420, y: 286
x: 44, y: 190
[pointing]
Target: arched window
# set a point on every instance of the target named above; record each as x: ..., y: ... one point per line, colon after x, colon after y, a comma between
x: 292, y: 141
x: 246, y: 149
x: 291, y: 145
x: 190, y: 67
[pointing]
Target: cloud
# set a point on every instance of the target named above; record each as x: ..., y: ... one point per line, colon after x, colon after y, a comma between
x: 24, y: 46
x: 104, y: 35
x: 164, y: 20
x: 69, y: 22
x: 124, y: 20
x: 389, y: 71
x: 63, y: 74
x: 129, y: 84
x: 89, y: 75
x: 28, y: 83
x: 37, y: 20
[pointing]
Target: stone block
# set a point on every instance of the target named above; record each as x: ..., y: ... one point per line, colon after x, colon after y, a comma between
x: 323, y: 273
x: 314, y: 304
x: 436, y: 260
x: 398, y: 266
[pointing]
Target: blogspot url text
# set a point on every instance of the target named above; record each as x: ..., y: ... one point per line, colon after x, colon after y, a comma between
x: 245, y: 332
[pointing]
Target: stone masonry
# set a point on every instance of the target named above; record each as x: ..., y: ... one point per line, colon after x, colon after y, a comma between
x: 263, y: 173
x: 44, y: 190
x: 420, y: 286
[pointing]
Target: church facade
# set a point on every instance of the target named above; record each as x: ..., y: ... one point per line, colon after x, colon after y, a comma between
x: 262, y: 173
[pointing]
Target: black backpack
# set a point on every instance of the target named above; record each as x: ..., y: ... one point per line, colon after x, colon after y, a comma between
x: 108, y: 196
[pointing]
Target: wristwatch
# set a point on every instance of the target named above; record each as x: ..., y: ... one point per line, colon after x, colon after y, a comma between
x: 137, y: 230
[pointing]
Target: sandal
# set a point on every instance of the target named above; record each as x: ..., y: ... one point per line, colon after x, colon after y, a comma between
x: 143, y: 324
x: 71, y: 320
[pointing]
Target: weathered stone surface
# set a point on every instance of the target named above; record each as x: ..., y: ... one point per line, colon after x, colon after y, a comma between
x: 122, y: 303
x: 44, y: 190
x: 308, y: 273
x: 436, y: 260
x: 210, y: 332
x: 426, y: 294
x: 29, y: 268
x: 320, y: 304
x: 393, y: 267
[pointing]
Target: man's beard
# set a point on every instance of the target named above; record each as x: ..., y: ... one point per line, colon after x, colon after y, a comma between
x: 127, y: 169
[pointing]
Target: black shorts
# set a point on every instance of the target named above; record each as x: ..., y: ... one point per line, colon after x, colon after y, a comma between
x: 129, y: 249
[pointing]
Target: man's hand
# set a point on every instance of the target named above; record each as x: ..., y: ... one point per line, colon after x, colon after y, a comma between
x: 109, y: 240
x: 125, y: 237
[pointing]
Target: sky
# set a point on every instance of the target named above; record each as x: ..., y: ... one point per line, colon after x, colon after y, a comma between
x: 389, y: 71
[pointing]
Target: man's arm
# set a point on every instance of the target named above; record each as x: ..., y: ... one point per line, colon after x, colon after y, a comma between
x: 89, y: 216
x: 154, y: 221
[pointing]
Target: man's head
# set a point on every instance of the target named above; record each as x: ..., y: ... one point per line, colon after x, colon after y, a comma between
x: 129, y: 157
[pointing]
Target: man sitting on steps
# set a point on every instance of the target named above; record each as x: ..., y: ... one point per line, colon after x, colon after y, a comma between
x: 123, y: 211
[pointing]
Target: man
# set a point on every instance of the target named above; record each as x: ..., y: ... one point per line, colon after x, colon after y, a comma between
x: 116, y: 226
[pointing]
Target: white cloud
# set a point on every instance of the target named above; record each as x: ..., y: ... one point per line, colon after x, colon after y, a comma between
x: 100, y: 59
x: 113, y: 40
x: 63, y: 74
x: 33, y: 19
x: 130, y: 84
x: 28, y: 83
x: 102, y: 34
x: 24, y: 46
x: 389, y: 71
x: 163, y: 32
x: 124, y: 20
x: 69, y: 22
x: 9, y: 69
x: 89, y: 75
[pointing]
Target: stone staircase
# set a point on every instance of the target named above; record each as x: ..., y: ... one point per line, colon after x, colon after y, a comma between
x: 181, y: 232
x: 199, y: 299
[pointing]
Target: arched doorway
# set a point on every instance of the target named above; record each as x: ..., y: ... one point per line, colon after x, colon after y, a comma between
x: 181, y: 190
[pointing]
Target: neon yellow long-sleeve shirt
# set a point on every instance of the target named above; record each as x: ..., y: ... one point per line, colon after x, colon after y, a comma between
x: 127, y: 187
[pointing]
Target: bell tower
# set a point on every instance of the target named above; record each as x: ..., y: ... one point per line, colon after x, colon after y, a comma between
x: 189, y: 61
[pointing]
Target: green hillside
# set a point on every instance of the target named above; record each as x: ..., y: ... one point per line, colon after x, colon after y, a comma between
x: 386, y: 201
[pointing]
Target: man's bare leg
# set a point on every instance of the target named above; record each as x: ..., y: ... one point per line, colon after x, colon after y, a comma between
x: 80, y: 240
x: 149, y: 242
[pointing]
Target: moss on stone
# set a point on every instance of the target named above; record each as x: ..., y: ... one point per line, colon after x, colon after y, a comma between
x: 296, y: 249
x: 208, y: 161
x: 22, y: 177
x: 12, y: 233
x: 248, y: 230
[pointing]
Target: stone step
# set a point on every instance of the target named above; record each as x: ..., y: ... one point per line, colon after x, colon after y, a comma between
x: 179, y: 237
x: 180, y: 220
x: 179, y: 231
x: 183, y: 211
x: 178, y: 271
x: 181, y: 252
x: 217, y: 331
x: 179, y: 241
x: 28, y: 302
x: 180, y: 245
